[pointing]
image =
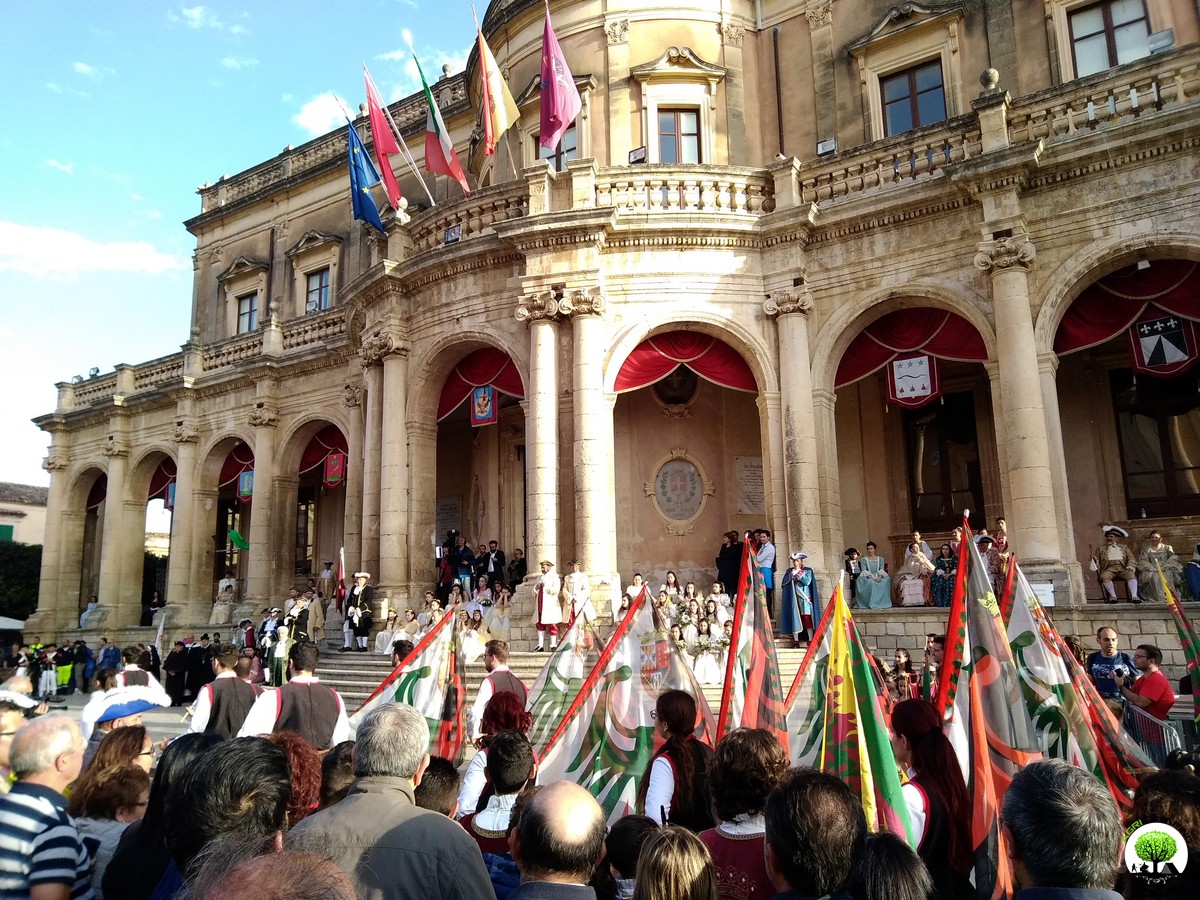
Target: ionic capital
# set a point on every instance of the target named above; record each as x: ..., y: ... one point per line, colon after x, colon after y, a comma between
x: 783, y: 303
x: 1006, y: 253
x: 263, y: 416
x: 185, y: 432
x: 542, y: 305
x: 582, y: 302
x: 55, y: 461
x: 375, y: 348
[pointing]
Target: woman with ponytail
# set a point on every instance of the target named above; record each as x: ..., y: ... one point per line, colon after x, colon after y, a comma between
x: 936, y: 795
x: 674, y: 787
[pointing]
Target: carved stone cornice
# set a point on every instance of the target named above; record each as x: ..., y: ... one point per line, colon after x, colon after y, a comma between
x: 617, y: 31
x: 1006, y: 253
x: 55, y: 461
x: 352, y: 395
x: 540, y: 306
x: 375, y: 348
x: 819, y: 14
x: 115, y: 446
x: 784, y: 303
x: 732, y: 35
x: 583, y: 302
x: 185, y: 432
x: 263, y: 416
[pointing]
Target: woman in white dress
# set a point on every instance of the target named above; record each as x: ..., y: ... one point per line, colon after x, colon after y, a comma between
x: 689, y: 618
x: 457, y: 597
x: 674, y: 591
x: 677, y: 638
x: 666, y: 610
x: 708, y: 652
x: 498, y: 618
x: 721, y: 596
x: 716, y: 613
x: 874, y: 582
x: 384, y: 638
x: 912, y: 578
x: 482, y: 595
x: 632, y: 591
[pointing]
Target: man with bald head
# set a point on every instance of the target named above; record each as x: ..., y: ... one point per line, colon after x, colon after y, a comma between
x: 557, y: 844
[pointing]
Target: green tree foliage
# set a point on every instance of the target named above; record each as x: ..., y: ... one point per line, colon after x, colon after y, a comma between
x: 20, y: 572
x: 1155, y: 847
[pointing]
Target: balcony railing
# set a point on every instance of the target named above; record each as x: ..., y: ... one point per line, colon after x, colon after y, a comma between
x: 473, y: 215
x: 318, y: 328
x: 702, y: 189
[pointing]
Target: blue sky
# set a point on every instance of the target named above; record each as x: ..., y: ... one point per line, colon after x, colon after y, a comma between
x: 117, y: 110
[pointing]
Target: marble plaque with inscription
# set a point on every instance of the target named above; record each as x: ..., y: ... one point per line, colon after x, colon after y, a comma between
x: 678, y: 490
x: 449, y: 515
x: 748, y: 482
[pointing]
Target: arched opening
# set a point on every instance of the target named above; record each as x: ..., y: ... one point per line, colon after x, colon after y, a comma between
x: 915, y: 430
x: 320, y: 501
x: 91, y: 536
x: 689, y: 462
x: 231, y: 524
x: 154, y: 560
x: 480, y: 475
x: 1127, y: 379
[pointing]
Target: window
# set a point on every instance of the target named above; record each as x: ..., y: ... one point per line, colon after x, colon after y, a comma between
x: 247, y: 307
x: 1158, y: 428
x: 567, y: 150
x: 913, y: 98
x: 317, y: 294
x: 6, y: 533
x: 1108, y: 34
x: 678, y: 135
x: 944, y: 474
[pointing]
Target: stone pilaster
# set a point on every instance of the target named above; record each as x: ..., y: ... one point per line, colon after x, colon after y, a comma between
x: 770, y: 418
x: 393, y: 477
x: 371, y: 353
x: 820, y: 32
x: 595, y: 488
x: 180, y: 589
x: 264, y: 555
x: 1048, y: 370
x: 829, y: 480
x: 352, y: 522
x: 50, y: 613
x: 112, y: 550
x: 422, y: 503
x: 732, y: 37
x: 801, y: 487
x: 620, y: 119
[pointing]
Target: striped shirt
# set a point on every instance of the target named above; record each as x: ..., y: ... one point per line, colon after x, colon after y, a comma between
x: 39, y: 844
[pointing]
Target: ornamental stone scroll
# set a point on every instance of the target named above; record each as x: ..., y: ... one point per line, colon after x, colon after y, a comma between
x: 55, y: 461
x: 375, y: 348
x: 583, y: 302
x: 185, y: 432
x: 534, y: 307
x: 263, y: 416
x: 1006, y: 253
x: 115, y: 446
x: 352, y: 395
x: 783, y: 303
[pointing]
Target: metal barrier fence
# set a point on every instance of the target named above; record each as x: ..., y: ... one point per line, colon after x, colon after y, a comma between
x: 1156, y: 737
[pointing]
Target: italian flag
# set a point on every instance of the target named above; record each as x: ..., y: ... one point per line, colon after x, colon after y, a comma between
x: 439, y: 151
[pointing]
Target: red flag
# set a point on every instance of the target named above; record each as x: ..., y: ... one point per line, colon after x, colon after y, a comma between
x: 383, y: 140
x: 341, y: 579
x: 560, y: 98
x: 956, y: 627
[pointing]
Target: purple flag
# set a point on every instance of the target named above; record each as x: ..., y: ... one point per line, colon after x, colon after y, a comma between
x: 560, y: 99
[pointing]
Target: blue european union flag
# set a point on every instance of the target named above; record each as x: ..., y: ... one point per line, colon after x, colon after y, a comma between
x: 363, y: 176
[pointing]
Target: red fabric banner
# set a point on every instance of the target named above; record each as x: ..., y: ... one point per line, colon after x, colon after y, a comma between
x: 1114, y: 303
x: 327, y: 441
x: 98, y: 492
x: 487, y: 366
x: 709, y: 357
x: 239, y: 460
x: 934, y: 332
x: 335, y: 469
x: 163, y: 476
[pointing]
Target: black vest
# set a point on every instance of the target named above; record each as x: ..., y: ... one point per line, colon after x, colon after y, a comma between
x: 507, y: 681
x: 310, y: 710
x: 137, y: 676
x: 700, y: 817
x: 934, y: 849
x: 230, y: 703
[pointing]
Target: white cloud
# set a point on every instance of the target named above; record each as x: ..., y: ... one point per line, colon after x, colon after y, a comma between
x: 199, y: 17
x: 238, y: 63
x: 239, y: 30
x: 287, y: 98
x: 83, y: 68
x: 322, y: 113
x: 54, y: 86
x: 407, y: 81
x: 61, y: 255
x: 69, y: 168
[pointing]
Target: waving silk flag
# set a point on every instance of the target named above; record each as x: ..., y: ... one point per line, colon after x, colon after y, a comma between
x: 431, y: 680
x: 439, y: 150
x: 956, y: 627
x: 605, y: 738
x: 752, y: 696
x: 557, y: 684
x: 560, y: 98
x: 499, y: 109
x: 805, y: 704
x: 362, y: 178
x: 1187, y: 640
x: 383, y: 139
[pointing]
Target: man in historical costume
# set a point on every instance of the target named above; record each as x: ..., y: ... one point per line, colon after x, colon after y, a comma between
x: 1113, y: 561
x: 176, y: 665
x: 992, y: 563
x: 200, y: 671
x: 303, y: 705
x: 298, y: 619
x: 316, y: 615
x: 498, y: 678
x: 222, y: 705
x: 764, y: 559
x: 578, y: 590
x: 547, y: 610
x: 853, y: 570
x: 359, y: 600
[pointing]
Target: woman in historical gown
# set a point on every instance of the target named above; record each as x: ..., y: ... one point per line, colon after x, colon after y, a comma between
x: 798, y: 588
x: 1157, y: 555
x: 384, y: 637
x: 499, y: 619
x: 945, y: 567
x: 912, y: 578
x: 874, y: 583
x: 1193, y: 573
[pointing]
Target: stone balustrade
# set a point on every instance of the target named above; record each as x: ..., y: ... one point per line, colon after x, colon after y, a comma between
x: 95, y: 390
x: 698, y: 189
x: 321, y: 328
x: 474, y: 213
x: 158, y: 371
x: 233, y: 351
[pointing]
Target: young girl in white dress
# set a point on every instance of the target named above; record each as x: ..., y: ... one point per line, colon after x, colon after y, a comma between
x: 708, y: 653
x: 716, y: 614
x: 677, y: 637
x: 383, y: 640
x: 482, y: 596
x: 689, y: 618
x: 721, y: 596
x: 666, y: 610
x: 498, y: 619
x: 674, y: 591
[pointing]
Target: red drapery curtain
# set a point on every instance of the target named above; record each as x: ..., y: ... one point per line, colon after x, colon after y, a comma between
x: 1109, y: 306
x: 936, y: 332
x: 98, y: 492
x: 328, y: 440
x: 709, y: 357
x: 163, y: 476
x: 486, y: 366
x: 239, y: 460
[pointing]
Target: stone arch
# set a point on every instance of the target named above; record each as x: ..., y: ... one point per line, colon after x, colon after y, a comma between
x: 746, y: 342
x: 296, y: 436
x: 141, y: 469
x: 429, y: 369
x: 836, y: 334
x: 80, y: 483
x: 212, y: 457
x: 1096, y: 261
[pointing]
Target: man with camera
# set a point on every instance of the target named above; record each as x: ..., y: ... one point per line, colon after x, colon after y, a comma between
x: 1102, y: 664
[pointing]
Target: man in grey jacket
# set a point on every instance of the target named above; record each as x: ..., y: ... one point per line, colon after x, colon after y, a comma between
x: 386, y: 843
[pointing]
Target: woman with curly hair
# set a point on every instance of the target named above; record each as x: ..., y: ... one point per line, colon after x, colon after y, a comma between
x: 936, y: 795
x: 748, y: 764
x: 306, y: 774
x: 504, y: 712
x: 674, y: 787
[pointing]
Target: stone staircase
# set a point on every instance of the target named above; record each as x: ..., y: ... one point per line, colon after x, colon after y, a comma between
x: 356, y: 675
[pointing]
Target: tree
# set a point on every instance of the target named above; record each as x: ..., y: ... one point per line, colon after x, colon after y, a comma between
x: 1155, y: 847
x: 20, y: 573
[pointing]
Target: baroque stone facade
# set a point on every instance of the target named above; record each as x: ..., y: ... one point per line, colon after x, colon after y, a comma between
x: 784, y: 211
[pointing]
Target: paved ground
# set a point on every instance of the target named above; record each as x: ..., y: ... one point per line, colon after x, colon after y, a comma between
x: 162, y: 723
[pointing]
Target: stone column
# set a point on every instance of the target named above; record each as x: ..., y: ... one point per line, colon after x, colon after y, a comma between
x: 422, y: 502
x: 1048, y: 370
x: 829, y: 482
x: 801, y: 490
x: 595, y: 489
x: 541, y: 311
x: 263, y: 554
x: 180, y: 590
x: 355, y: 460
x: 771, y: 430
x: 50, y: 613
x: 372, y: 432
x: 1021, y: 412
x: 206, y: 567
x: 393, y: 476
x: 112, y: 550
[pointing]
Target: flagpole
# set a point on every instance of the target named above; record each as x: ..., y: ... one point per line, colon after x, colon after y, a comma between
x: 387, y: 114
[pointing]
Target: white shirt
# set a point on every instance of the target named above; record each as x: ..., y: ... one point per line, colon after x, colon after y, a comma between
x: 262, y: 715
x: 475, y: 715
x: 661, y: 789
x: 497, y: 815
x: 473, y: 782
x: 203, y: 705
x: 915, y: 801
x: 765, y: 558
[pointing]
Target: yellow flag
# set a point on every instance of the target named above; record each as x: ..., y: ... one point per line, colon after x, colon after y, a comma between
x: 499, y: 109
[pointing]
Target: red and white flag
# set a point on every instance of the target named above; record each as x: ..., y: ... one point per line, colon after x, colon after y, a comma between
x: 383, y: 141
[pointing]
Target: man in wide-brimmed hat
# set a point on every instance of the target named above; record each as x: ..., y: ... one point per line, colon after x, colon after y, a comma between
x: 1113, y: 561
x: 547, y: 608
x: 359, y: 601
